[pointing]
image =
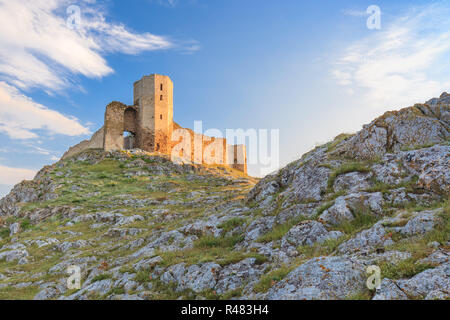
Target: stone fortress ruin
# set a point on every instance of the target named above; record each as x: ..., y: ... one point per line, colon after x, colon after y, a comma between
x: 148, y: 125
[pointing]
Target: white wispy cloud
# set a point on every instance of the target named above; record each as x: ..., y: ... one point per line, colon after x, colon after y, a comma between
x: 401, y: 64
x: 20, y: 115
x: 11, y: 176
x: 39, y: 48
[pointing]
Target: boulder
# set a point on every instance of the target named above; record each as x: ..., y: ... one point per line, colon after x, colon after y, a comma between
x: 308, y: 233
x: 320, y: 278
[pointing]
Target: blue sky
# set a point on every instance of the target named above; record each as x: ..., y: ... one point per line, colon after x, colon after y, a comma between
x: 311, y: 69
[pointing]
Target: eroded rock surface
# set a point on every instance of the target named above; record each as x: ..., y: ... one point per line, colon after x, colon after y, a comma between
x: 142, y: 227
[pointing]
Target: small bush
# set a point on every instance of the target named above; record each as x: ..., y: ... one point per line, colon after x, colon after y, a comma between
x: 26, y: 224
x: 402, y: 269
x: 143, y: 276
x: 4, y: 233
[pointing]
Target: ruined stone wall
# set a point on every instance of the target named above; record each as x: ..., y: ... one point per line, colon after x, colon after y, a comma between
x: 116, y: 123
x: 239, y: 157
x: 209, y: 150
x: 215, y: 151
x: 96, y: 142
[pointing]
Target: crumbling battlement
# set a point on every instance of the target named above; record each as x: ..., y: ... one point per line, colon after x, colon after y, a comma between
x: 149, y: 126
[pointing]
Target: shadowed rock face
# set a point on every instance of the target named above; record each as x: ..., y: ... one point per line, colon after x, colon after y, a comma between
x: 142, y: 227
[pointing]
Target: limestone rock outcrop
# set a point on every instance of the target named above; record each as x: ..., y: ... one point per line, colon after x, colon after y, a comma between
x: 142, y: 227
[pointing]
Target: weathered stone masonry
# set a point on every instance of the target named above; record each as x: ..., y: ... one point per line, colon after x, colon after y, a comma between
x: 150, y: 126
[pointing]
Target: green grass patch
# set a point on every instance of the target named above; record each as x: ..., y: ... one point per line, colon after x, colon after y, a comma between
x: 363, y: 218
x: 101, y: 277
x: 360, y: 222
x: 207, y: 242
x: 221, y: 255
x: 26, y: 224
x: 11, y: 293
x: 236, y: 293
x: 280, y: 230
x: 364, y: 295
x: 331, y: 197
x: 418, y: 146
x: 418, y: 246
x: 379, y: 186
x: 231, y: 224
x: 116, y: 291
x: 402, y: 269
x: 143, y: 276
x: 163, y: 291
x: 269, y: 279
x: 331, y: 146
x: 4, y: 233
x: 324, y: 207
x: 127, y: 269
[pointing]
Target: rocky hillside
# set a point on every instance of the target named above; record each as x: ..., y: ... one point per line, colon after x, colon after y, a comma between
x: 142, y: 227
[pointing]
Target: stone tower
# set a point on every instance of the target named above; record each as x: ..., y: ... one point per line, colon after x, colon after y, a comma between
x: 153, y: 99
